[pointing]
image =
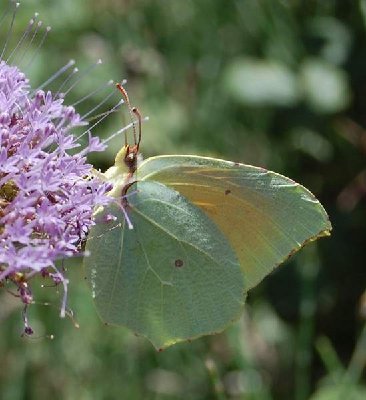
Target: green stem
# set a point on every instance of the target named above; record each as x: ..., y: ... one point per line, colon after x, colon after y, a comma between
x: 308, y: 264
x: 358, y: 359
x: 330, y: 358
x: 218, y: 387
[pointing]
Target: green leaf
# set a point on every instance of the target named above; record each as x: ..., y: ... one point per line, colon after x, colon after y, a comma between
x: 173, y: 277
x: 265, y: 216
x: 261, y: 83
x: 326, y: 87
x: 340, y: 391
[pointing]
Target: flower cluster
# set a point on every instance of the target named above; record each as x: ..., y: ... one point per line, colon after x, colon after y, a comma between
x: 47, y: 189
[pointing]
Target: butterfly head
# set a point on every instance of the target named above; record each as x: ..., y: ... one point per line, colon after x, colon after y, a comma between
x: 128, y: 157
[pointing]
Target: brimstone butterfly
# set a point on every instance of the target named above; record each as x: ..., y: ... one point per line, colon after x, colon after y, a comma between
x: 204, y: 232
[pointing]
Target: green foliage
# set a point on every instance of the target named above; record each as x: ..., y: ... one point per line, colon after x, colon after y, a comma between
x: 340, y: 392
x: 261, y: 83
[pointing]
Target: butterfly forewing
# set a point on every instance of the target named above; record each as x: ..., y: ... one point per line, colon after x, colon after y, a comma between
x: 265, y: 216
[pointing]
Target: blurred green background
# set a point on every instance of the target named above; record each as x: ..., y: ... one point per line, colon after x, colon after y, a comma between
x: 274, y: 83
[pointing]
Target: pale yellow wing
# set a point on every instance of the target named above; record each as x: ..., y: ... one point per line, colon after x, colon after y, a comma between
x: 265, y: 216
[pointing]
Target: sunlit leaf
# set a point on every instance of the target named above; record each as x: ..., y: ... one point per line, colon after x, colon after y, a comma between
x: 325, y: 86
x: 260, y: 82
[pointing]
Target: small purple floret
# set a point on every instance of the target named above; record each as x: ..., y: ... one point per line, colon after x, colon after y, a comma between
x: 47, y: 195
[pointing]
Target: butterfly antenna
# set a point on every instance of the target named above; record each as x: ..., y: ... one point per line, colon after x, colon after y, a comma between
x: 139, y: 117
x: 130, y: 109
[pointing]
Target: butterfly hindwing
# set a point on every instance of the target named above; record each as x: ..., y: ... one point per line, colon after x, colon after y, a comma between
x: 172, y: 277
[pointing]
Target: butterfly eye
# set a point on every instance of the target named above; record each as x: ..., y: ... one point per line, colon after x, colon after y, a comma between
x: 131, y: 158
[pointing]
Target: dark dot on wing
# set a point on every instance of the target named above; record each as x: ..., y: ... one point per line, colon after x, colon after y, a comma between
x: 227, y: 191
x: 236, y: 164
x: 178, y: 263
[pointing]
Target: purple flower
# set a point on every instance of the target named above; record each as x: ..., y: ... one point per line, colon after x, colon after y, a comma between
x: 47, y: 194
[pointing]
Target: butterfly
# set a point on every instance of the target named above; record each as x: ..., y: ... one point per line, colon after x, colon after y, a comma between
x: 189, y: 237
